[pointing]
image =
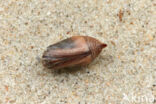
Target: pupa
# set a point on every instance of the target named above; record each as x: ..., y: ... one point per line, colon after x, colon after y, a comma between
x: 71, y: 52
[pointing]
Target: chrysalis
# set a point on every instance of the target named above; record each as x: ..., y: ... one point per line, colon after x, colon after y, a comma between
x: 74, y: 51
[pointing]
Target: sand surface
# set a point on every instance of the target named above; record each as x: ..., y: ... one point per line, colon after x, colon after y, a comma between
x: 124, y: 73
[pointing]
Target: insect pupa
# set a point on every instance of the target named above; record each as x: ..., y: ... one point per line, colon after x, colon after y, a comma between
x: 73, y: 51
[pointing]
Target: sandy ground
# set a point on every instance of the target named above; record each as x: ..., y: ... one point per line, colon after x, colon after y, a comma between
x: 124, y: 73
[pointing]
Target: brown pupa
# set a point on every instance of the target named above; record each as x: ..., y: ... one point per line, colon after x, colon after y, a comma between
x: 74, y: 51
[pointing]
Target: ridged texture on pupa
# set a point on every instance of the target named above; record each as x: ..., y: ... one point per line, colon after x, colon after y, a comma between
x: 74, y: 51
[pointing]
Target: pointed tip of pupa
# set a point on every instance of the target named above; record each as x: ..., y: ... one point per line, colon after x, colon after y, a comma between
x: 103, y: 45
